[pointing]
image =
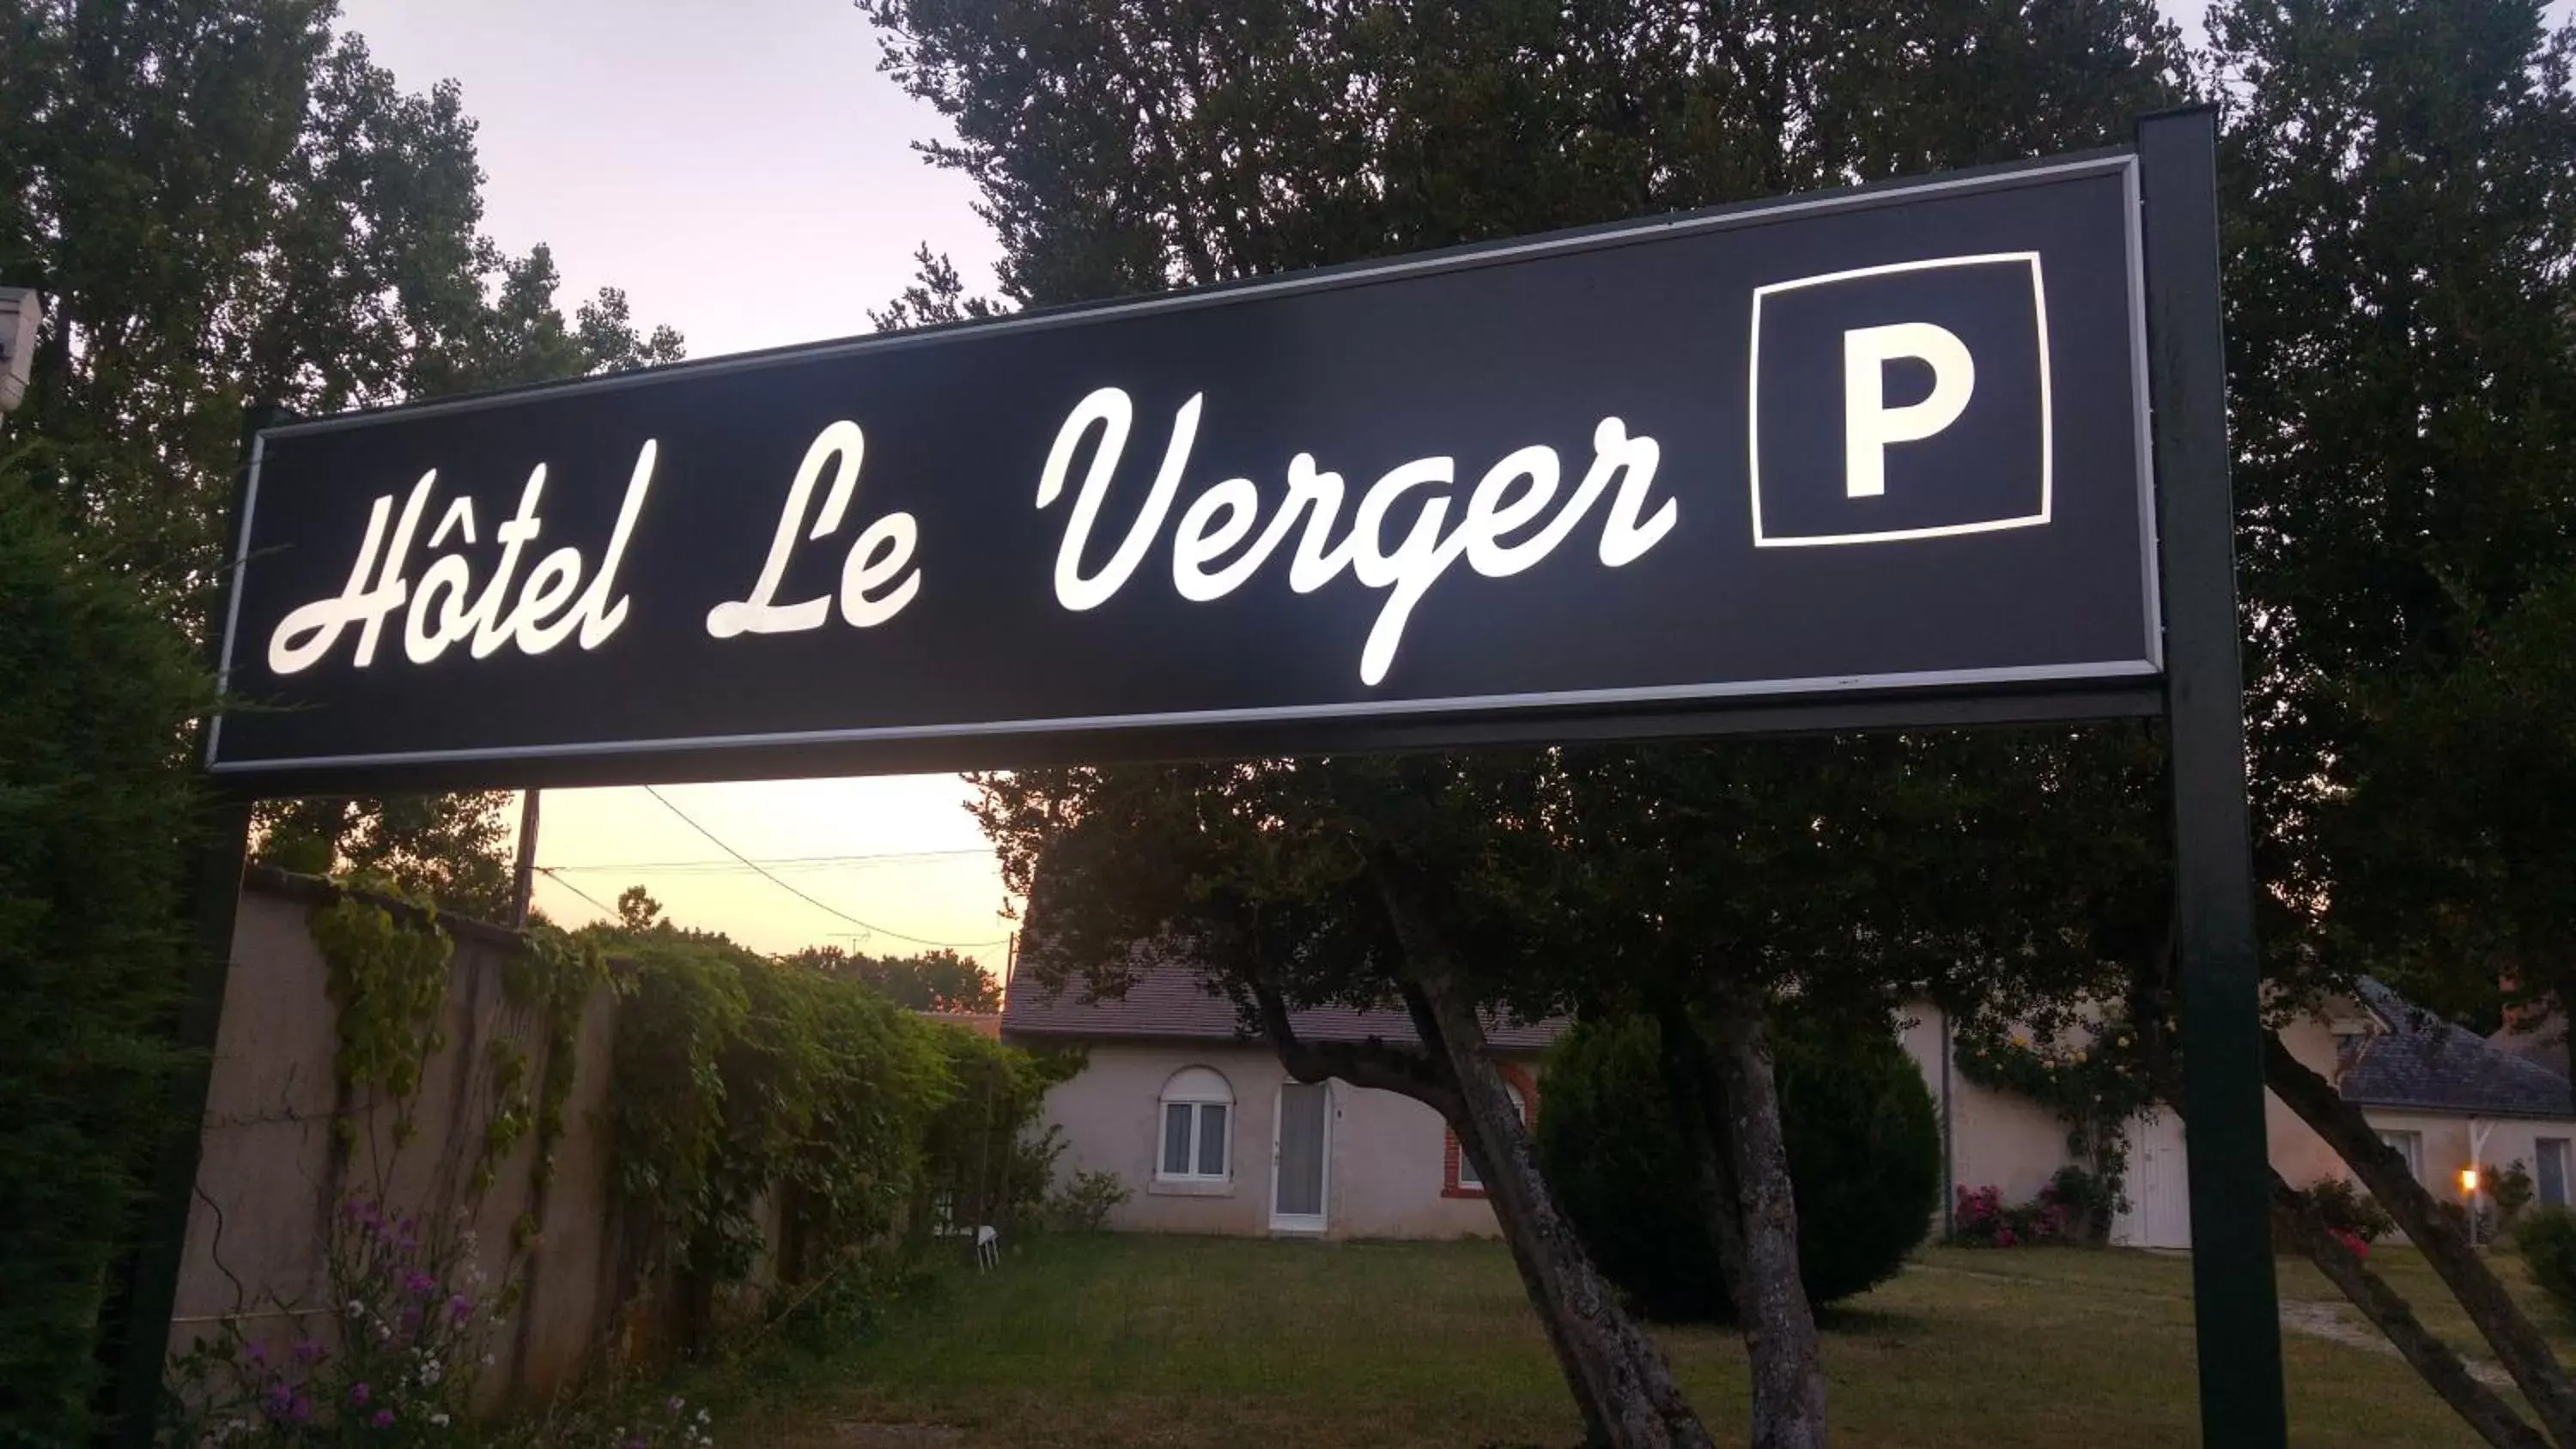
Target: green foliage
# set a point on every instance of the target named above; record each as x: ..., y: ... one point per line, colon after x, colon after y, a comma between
x: 2547, y: 1240
x: 2093, y: 1080
x: 554, y: 976
x: 935, y: 980
x: 451, y: 850
x: 225, y: 201
x: 1084, y: 1204
x: 738, y: 1079
x: 2400, y: 223
x: 96, y: 805
x: 2512, y: 1188
x: 2349, y: 1208
x: 389, y: 981
x: 981, y: 1156
x: 1864, y: 1162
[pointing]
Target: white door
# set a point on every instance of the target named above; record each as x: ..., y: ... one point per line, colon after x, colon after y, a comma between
x: 2159, y: 1188
x: 1299, y: 1150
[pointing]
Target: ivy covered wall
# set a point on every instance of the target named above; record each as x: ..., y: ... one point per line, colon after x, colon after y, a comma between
x: 640, y: 1136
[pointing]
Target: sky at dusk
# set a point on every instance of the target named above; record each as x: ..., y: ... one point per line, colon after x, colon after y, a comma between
x: 744, y: 171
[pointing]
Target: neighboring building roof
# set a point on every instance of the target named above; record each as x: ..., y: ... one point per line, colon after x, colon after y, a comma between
x: 2426, y: 1064
x: 1170, y: 1002
x: 2539, y: 1038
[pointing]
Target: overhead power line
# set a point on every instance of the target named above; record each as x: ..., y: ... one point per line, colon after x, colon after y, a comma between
x: 822, y: 906
x: 786, y: 862
x: 549, y: 873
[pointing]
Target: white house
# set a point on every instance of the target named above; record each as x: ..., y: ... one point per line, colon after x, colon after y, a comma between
x: 1210, y: 1134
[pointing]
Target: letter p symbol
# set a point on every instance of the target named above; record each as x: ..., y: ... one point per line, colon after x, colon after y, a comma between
x: 1931, y: 373
x: 1869, y: 424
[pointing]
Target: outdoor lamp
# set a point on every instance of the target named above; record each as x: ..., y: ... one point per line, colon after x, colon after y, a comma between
x: 2468, y: 1179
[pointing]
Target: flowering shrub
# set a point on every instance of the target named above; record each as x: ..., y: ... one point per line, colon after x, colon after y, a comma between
x: 396, y: 1364
x: 1982, y: 1219
x: 2091, y: 1077
x: 2353, y: 1243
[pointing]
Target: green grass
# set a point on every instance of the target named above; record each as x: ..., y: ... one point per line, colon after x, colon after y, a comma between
x: 1120, y: 1341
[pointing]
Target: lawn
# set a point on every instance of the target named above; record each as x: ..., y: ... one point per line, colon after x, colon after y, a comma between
x: 1135, y: 1341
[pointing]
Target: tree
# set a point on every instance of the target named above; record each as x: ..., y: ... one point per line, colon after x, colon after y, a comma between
x: 95, y: 807
x: 1864, y: 1152
x: 1337, y: 882
x: 1130, y: 147
x: 637, y: 910
x: 935, y: 980
x: 2398, y: 246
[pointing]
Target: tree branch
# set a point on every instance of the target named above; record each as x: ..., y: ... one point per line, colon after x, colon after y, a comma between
x: 1371, y: 1063
x: 2433, y: 1360
x: 2518, y: 1345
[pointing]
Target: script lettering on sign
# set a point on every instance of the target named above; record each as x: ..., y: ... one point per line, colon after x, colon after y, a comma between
x: 1510, y: 496
x: 446, y: 609
x: 1878, y: 446
x: 879, y: 574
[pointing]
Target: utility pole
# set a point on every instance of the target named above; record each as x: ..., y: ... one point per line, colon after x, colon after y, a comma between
x: 523, y: 880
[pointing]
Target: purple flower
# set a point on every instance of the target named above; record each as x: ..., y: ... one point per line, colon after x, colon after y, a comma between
x: 459, y: 1308
x: 638, y: 1442
x: 358, y: 1394
x: 384, y: 1419
x: 258, y: 1355
x: 419, y: 1284
x: 309, y: 1351
x: 299, y: 1410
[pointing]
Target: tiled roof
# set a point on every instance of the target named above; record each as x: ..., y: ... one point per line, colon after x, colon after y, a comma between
x: 2427, y: 1064
x: 1169, y: 1001
x: 2540, y: 1040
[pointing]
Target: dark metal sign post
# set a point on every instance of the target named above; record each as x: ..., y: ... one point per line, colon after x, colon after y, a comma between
x: 2236, y: 1308
x: 1875, y: 458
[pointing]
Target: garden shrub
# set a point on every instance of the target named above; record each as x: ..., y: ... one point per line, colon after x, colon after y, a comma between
x: 1864, y: 1160
x: 96, y: 806
x: 740, y: 1080
x: 2346, y: 1207
x: 393, y: 1360
x: 2512, y: 1190
x: 1084, y: 1204
x: 2547, y: 1239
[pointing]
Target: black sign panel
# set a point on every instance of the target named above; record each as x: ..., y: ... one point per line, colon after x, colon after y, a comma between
x: 1888, y: 441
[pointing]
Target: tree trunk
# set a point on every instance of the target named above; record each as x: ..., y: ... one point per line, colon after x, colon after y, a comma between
x: 2518, y: 1346
x: 2441, y: 1369
x: 1771, y: 1307
x: 1612, y: 1367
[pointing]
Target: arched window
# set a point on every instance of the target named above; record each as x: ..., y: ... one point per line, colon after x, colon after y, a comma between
x: 1459, y: 1176
x: 1198, y: 1121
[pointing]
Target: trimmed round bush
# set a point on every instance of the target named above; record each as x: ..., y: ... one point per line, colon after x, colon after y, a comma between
x: 1864, y: 1160
x: 2547, y: 1239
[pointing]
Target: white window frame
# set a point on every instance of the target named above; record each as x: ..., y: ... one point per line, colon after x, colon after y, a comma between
x: 1468, y: 1180
x: 2409, y: 1145
x: 1197, y: 1091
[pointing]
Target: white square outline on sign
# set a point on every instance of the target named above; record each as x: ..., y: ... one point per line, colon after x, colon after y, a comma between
x: 1753, y: 412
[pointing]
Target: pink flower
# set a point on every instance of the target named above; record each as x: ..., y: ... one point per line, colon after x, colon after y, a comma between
x: 384, y: 1419
x: 358, y: 1394
x: 419, y: 1284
